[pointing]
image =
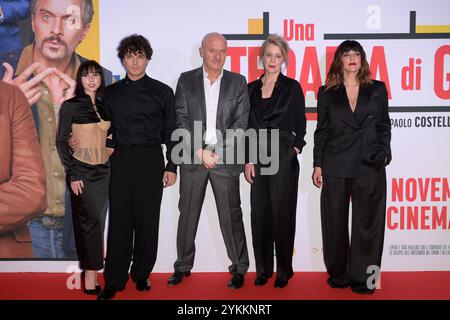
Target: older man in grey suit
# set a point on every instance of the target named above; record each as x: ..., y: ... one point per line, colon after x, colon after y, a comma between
x: 213, y: 100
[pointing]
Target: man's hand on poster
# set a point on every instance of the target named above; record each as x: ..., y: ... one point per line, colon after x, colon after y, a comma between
x: 72, y: 84
x: 29, y: 87
x: 60, y: 85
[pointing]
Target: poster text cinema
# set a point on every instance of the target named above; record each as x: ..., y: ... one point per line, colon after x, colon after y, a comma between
x: 419, y: 204
x: 310, y: 76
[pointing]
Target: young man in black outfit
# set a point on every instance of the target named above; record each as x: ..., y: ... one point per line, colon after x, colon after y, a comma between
x: 142, y: 113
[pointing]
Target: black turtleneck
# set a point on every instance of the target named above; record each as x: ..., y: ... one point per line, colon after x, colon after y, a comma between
x: 142, y: 113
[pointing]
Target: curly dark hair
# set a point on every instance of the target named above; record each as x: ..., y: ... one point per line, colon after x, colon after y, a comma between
x: 335, y: 75
x: 134, y: 44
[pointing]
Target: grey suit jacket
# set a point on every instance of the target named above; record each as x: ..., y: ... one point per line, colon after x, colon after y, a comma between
x: 232, y: 112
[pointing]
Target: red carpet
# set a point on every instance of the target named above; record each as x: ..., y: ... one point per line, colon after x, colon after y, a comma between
x: 213, y: 286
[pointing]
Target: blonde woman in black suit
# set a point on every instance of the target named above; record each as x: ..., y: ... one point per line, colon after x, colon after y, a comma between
x: 351, y: 150
x: 277, y: 103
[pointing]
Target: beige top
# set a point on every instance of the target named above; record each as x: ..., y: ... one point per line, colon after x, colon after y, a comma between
x: 92, y: 137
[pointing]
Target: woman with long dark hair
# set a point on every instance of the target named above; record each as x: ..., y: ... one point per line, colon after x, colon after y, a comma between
x: 87, y: 168
x: 351, y: 150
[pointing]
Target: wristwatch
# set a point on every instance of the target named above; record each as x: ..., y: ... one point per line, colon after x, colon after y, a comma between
x: 2, y: 16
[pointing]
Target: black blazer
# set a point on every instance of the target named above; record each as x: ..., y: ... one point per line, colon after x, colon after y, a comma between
x: 232, y: 111
x: 288, y: 114
x: 348, y: 144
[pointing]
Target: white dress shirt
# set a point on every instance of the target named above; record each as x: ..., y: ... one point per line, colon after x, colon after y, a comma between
x: 211, y: 100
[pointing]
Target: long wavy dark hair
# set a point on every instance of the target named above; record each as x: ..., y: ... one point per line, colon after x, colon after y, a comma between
x: 85, y: 68
x: 335, y: 76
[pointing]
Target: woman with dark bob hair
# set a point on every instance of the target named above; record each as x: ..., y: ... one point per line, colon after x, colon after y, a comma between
x: 351, y: 150
x: 87, y: 168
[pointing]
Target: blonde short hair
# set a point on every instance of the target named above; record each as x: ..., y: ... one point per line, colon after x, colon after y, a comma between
x: 278, y: 41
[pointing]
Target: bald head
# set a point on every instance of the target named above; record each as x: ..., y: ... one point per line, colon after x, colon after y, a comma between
x: 213, y: 36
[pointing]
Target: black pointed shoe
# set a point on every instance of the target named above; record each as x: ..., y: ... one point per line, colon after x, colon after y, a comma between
x: 237, y: 281
x: 281, y: 282
x: 107, y: 294
x: 260, y: 281
x: 177, y: 277
x: 143, y: 285
x: 337, y: 284
x: 361, y: 289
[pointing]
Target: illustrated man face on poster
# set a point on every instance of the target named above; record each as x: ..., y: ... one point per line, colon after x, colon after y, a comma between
x: 59, y: 28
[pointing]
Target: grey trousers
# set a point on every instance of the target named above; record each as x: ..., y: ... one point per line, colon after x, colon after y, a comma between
x: 226, y: 193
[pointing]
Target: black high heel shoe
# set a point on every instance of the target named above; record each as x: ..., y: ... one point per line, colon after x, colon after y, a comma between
x: 93, y: 292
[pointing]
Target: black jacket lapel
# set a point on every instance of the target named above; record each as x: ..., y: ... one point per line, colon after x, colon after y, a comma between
x: 340, y: 96
x: 199, y: 89
x: 223, y: 93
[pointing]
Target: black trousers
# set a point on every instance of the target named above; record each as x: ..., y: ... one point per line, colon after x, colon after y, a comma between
x: 347, y: 259
x: 89, y: 213
x: 273, y: 215
x: 135, y: 199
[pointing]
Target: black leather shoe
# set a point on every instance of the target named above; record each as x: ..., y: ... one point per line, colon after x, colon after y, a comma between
x: 362, y: 289
x: 143, y: 285
x: 107, y: 294
x: 177, y: 277
x: 260, y: 281
x: 336, y: 284
x: 281, y: 283
x: 237, y: 281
